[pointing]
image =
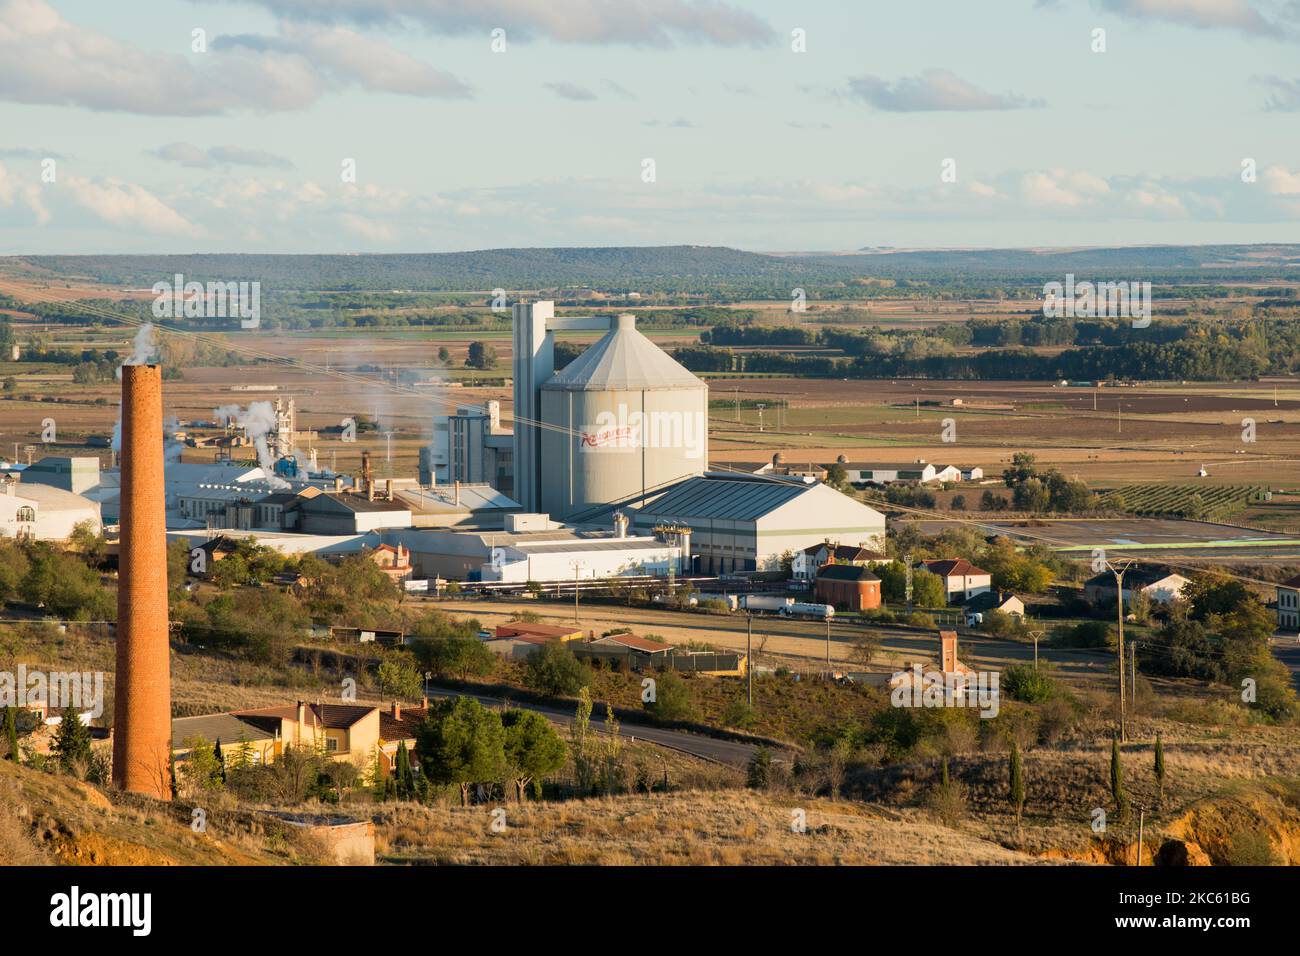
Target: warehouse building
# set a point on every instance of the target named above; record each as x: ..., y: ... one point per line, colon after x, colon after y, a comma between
x: 741, y: 523
x: 43, y: 512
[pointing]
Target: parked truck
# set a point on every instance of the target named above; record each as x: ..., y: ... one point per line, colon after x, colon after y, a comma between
x: 820, y: 612
x: 765, y: 603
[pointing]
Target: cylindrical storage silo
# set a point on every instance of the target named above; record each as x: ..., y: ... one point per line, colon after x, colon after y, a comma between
x: 621, y: 420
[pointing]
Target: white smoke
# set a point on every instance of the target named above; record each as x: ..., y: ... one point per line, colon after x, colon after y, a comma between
x: 144, y: 350
x: 258, y: 420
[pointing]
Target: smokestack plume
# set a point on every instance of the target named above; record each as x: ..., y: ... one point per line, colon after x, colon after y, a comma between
x: 142, y: 698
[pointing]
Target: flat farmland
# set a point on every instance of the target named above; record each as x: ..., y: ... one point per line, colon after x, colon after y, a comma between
x: 1152, y: 433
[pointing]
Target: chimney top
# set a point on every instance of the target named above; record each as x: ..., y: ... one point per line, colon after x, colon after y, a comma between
x: 397, y: 711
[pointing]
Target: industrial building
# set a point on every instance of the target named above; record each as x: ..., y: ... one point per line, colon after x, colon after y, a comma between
x: 750, y: 523
x: 43, y: 512
x: 471, y: 447
x: 622, y: 421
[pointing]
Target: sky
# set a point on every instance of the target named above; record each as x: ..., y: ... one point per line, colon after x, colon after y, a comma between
x: 354, y: 126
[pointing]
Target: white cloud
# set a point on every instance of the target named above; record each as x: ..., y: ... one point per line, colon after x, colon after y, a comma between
x: 651, y: 23
x: 128, y: 205
x: 47, y: 59
x: 932, y: 90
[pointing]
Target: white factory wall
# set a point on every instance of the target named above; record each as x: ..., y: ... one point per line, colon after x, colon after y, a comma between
x: 46, y: 524
x: 519, y: 567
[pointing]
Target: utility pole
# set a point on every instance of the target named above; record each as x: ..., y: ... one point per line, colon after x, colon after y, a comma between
x: 1133, y: 675
x: 577, y: 566
x: 1119, y: 604
x: 1119, y: 417
x: 1035, y: 635
x: 749, y: 658
x: 737, y: 391
x: 761, y: 406
x: 828, y: 647
x: 1095, y: 390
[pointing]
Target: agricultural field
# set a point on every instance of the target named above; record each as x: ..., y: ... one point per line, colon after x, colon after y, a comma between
x: 1191, y: 501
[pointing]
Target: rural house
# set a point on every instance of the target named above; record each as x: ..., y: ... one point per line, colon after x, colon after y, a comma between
x: 961, y: 579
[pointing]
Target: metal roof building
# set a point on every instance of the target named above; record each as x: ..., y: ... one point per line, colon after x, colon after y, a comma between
x: 739, y: 523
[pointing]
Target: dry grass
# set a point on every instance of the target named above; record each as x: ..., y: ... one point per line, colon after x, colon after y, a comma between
x: 736, y: 828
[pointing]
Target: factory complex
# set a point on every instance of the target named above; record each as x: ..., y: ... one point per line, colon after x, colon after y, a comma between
x: 604, y: 472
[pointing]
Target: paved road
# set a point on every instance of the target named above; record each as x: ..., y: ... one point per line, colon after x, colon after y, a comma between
x: 730, y: 752
x: 1287, y: 650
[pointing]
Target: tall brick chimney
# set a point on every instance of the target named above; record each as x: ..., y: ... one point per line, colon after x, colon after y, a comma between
x: 142, y: 733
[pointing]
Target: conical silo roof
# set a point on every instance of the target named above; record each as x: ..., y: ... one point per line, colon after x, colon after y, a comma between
x: 622, y: 359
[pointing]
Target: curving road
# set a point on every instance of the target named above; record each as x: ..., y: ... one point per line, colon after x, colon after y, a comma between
x: 732, y: 753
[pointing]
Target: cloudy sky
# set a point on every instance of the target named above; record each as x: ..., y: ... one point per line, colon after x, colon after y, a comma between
x: 233, y: 125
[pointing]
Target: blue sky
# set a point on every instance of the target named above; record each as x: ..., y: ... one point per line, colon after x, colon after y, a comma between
x: 161, y: 149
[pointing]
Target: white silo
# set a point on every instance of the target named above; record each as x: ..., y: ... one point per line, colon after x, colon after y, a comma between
x: 621, y: 420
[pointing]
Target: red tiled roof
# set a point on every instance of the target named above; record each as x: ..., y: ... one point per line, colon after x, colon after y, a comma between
x: 950, y: 567
x: 332, y: 716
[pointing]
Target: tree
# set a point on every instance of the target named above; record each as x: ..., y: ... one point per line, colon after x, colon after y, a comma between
x: 865, y: 649
x: 928, y: 589
x: 461, y: 742
x: 837, y: 477
x: 759, y: 771
x: 1160, y: 770
x: 553, y: 669
x: 1117, y: 779
x: 398, y: 679
x: 444, y: 355
x: 672, y: 698
x: 532, y: 747
x: 405, y: 776
x: 481, y: 356
x: 200, y: 771
x: 1016, y: 783
x: 455, y: 654
x: 579, y: 733
x: 72, y: 743
x: 221, y: 760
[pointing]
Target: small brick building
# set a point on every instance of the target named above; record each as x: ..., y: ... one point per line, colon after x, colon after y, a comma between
x: 848, y: 587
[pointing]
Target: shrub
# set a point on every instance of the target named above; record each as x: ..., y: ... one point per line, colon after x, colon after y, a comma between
x: 1024, y: 682
x: 672, y: 698
x: 553, y: 669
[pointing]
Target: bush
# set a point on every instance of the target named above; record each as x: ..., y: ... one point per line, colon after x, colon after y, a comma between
x: 738, y: 714
x: 672, y: 699
x: 1024, y: 682
x: 553, y: 669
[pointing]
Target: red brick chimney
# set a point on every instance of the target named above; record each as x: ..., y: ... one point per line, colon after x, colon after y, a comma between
x: 142, y: 733
x: 397, y: 711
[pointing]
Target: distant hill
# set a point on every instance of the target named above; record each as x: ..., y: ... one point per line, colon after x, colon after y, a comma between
x: 673, y: 268
x: 683, y: 269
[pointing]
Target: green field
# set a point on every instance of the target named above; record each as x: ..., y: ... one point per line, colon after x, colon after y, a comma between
x: 1189, y: 501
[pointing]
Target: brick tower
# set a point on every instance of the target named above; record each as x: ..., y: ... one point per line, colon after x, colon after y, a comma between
x: 142, y: 695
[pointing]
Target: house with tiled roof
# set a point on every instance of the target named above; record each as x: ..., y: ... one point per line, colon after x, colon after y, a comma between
x: 1288, y: 604
x: 961, y: 579
x: 806, y: 562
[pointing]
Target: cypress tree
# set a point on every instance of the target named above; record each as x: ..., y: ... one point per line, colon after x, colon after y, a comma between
x: 405, y: 776
x: 221, y: 761
x: 72, y: 742
x: 943, y: 773
x: 1160, y: 769
x: 1016, y: 788
x: 11, y: 732
x: 1117, y: 779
